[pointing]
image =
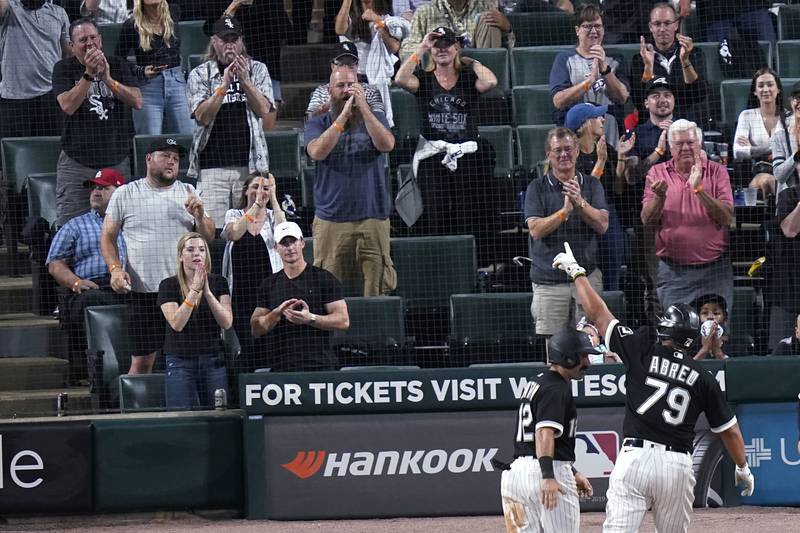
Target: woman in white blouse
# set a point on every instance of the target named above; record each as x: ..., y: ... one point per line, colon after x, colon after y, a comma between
x: 250, y: 256
x: 763, y: 118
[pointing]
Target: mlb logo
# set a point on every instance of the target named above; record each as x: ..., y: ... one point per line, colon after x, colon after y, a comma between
x: 596, y: 452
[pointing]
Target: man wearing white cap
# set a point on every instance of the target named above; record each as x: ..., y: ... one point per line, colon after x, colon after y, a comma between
x: 299, y: 307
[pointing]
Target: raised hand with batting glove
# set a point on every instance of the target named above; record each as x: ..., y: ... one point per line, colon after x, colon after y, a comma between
x: 566, y: 261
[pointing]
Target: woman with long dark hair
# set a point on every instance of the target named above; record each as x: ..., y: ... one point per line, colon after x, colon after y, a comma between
x: 195, y: 304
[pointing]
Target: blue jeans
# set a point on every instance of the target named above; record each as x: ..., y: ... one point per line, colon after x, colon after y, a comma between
x: 756, y: 25
x: 191, y: 381
x: 164, y: 96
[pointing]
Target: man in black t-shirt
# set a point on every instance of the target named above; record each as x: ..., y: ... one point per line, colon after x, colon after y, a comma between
x: 666, y: 393
x: 95, y: 93
x: 299, y: 307
x: 544, y: 444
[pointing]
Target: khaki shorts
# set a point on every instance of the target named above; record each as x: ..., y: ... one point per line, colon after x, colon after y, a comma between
x: 555, y: 305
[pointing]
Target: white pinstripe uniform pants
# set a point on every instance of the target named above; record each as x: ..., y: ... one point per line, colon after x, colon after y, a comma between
x: 522, y: 509
x: 650, y: 476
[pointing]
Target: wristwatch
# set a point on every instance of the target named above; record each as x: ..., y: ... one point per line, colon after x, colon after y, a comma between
x: 87, y: 77
x: 606, y: 71
x: 312, y: 318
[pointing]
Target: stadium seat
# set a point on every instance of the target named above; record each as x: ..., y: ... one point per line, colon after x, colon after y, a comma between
x: 23, y: 156
x: 284, y: 153
x: 496, y: 59
x: 141, y: 392
x: 713, y: 71
x: 531, y: 65
x: 308, y: 251
x: 789, y: 60
x: 141, y: 144
x: 741, y: 323
x: 492, y: 328
x: 502, y: 140
x: 537, y: 29
x: 734, y: 95
x: 376, y: 335
x: 195, y: 60
x: 532, y: 104
x: 109, y: 351
x: 42, y: 196
x: 307, y: 177
x: 788, y: 23
x: 194, y: 41
x: 530, y: 144
x: 626, y: 51
x: 110, y: 35
x: 406, y: 116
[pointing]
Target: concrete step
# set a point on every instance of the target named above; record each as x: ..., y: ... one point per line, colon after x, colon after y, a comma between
x: 16, y: 294
x: 18, y: 404
x: 31, y: 373
x: 23, y: 263
x: 26, y: 334
x: 306, y: 63
x: 295, y: 99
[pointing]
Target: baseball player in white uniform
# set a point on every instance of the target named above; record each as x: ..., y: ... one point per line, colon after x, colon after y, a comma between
x: 666, y: 392
x: 540, y: 490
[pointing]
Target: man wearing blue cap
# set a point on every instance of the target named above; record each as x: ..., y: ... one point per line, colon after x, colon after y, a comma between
x: 563, y: 204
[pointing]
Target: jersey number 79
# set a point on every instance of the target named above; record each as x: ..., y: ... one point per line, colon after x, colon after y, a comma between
x: 677, y: 399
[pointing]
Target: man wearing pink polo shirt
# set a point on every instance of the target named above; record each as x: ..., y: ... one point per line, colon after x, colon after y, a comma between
x: 688, y: 202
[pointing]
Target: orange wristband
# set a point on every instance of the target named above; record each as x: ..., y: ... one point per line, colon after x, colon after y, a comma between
x: 380, y: 24
x: 586, y: 86
x: 115, y: 87
x: 219, y: 91
x: 659, y: 151
x: 414, y: 57
x: 189, y: 304
x: 338, y: 127
x: 598, y: 173
x: 249, y: 218
x: 562, y: 216
x: 698, y: 189
x: 646, y: 76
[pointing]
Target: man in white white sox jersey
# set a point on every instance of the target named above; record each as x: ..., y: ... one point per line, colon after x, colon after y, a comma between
x: 666, y: 392
x: 540, y: 490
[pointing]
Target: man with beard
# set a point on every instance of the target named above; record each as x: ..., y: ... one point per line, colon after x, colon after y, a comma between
x: 230, y: 96
x: 154, y: 213
x: 672, y: 56
x: 351, y: 223
x: 95, y: 93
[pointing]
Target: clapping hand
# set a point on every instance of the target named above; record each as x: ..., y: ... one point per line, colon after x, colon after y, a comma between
x: 648, y: 54
x: 624, y: 146
x: 298, y: 313
x: 659, y: 188
x: 199, y: 280
x: 602, y: 149
x: 573, y: 191
x: 696, y: 174
x: 687, y: 45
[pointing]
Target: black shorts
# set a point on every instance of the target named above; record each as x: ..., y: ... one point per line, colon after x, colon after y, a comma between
x: 146, y: 323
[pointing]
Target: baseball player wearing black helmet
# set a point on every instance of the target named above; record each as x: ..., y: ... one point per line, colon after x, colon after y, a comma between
x: 540, y: 490
x: 666, y: 390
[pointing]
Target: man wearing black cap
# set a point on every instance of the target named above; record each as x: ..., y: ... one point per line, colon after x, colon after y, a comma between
x: 154, y: 212
x: 345, y: 57
x: 75, y: 262
x: 230, y: 96
x: 95, y: 93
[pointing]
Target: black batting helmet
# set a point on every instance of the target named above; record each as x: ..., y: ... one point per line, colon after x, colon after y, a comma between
x: 567, y: 345
x: 680, y: 323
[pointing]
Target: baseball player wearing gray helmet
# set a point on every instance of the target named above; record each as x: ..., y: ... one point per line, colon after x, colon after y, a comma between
x: 666, y: 392
x: 540, y: 490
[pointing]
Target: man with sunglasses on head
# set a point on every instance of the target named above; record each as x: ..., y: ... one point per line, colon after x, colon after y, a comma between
x: 674, y: 58
x: 345, y: 58
x: 75, y: 262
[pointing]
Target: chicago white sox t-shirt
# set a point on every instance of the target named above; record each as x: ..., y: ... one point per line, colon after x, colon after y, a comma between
x: 229, y: 141
x: 99, y: 133
x: 448, y: 115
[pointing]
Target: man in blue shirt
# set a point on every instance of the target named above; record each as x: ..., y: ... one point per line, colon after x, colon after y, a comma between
x: 75, y: 262
x: 351, y: 196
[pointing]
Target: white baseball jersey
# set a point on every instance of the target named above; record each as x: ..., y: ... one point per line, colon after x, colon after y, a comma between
x: 666, y: 392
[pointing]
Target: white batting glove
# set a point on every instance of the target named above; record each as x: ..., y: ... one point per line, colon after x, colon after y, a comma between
x: 566, y: 261
x: 743, y: 474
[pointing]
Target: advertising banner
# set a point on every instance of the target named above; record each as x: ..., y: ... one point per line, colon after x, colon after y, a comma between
x: 46, y: 467
x: 401, y: 465
x: 770, y: 438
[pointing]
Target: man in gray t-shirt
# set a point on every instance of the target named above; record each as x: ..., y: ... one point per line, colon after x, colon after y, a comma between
x: 155, y: 212
x: 33, y: 37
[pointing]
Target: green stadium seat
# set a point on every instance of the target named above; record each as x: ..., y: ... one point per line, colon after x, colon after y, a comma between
x: 377, y: 332
x: 532, y: 104
x: 694, y: 28
x: 308, y: 251
x: 537, y: 29
x: 496, y: 60
x: 788, y: 23
x: 110, y: 347
x: 194, y: 41
x: 430, y: 269
x: 530, y: 144
x: 789, y: 59
x: 501, y: 138
x: 307, y: 177
x: 284, y: 153
x: 196, y: 60
x: 626, y: 51
x: 23, y: 156
x: 141, y: 392
x: 493, y: 328
x: 741, y: 323
x: 734, y: 95
x: 406, y: 116
x: 142, y: 143
x: 110, y: 35
x: 42, y: 196
x: 713, y: 74
x: 531, y: 65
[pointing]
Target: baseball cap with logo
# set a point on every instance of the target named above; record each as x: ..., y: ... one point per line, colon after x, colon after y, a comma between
x: 164, y: 145
x: 580, y: 113
x: 227, y: 26
x: 345, y: 49
x: 447, y: 37
x: 106, y: 177
x: 287, y: 229
x: 657, y: 84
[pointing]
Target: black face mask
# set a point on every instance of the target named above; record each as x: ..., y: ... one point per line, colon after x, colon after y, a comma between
x: 32, y: 4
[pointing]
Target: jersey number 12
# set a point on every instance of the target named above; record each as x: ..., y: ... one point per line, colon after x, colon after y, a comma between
x: 677, y: 399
